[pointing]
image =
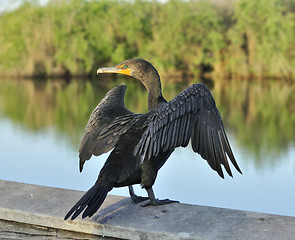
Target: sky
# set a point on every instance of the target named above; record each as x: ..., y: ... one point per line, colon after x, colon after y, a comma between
x: 11, y: 4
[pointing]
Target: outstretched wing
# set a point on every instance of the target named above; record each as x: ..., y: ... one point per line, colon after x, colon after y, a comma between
x: 191, y: 115
x: 109, y: 120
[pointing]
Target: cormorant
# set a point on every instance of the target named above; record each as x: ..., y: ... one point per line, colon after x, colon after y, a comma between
x: 142, y: 143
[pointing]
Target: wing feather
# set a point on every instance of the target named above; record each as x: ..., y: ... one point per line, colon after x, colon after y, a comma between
x: 191, y: 115
x: 108, y: 121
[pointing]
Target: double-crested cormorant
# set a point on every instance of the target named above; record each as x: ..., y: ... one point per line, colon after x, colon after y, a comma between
x: 142, y: 143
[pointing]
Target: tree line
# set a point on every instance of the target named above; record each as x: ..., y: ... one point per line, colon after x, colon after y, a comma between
x: 229, y: 38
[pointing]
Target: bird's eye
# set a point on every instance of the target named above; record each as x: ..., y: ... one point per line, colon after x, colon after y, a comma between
x: 125, y: 66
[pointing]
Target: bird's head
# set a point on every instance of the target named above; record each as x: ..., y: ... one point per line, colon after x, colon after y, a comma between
x: 137, y: 68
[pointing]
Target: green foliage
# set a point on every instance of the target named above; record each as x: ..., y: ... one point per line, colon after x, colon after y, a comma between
x: 242, y: 38
x: 263, y: 38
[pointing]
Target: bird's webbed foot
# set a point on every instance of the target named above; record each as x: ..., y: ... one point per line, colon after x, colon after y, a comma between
x: 136, y: 199
x: 157, y: 202
x: 154, y: 201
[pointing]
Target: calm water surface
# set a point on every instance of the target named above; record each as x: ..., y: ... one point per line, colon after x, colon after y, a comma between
x: 41, y: 125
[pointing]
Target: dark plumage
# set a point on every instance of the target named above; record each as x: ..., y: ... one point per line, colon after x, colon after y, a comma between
x: 142, y: 143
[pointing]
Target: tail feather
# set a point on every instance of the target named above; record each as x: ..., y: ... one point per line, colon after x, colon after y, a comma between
x: 92, y: 199
x: 94, y: 205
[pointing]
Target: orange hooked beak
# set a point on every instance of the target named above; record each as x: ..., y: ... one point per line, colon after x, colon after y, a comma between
x: 117, y: 69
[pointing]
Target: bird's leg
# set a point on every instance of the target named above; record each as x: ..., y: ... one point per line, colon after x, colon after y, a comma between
x: 136, y: 199
x: 154, y: 201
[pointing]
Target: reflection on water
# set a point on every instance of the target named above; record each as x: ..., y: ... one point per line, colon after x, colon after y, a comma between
x: 64, y: 106
x: 262, y: 115
x: 41, y: 124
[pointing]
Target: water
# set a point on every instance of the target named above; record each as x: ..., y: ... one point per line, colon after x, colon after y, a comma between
x: 41, y: 125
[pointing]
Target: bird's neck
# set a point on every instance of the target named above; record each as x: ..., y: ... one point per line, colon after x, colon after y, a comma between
x: 154, y: 100
x: 155, y: 97
x: 152, y: 83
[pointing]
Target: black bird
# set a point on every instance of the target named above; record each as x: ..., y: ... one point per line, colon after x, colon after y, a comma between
x: 142, y: 143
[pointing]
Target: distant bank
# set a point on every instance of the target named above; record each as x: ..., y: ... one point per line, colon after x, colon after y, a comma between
x: 236, y: 39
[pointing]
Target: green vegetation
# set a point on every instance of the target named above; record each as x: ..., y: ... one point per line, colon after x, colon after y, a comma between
x: 242, y: 38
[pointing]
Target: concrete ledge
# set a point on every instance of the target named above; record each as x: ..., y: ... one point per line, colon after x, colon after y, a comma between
x: 43, y: 208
